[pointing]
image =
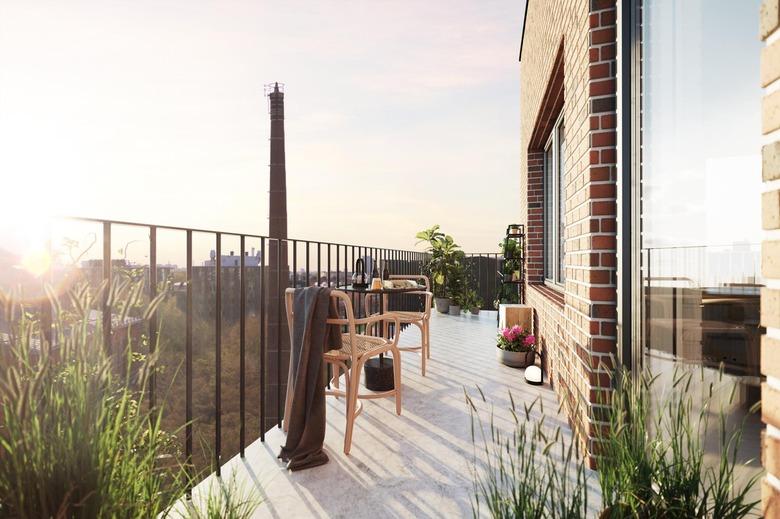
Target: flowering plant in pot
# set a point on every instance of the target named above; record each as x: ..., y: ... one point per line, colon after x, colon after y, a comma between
x: 516, y: 346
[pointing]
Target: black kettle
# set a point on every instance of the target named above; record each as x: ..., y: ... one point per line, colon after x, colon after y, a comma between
x: 359, y: 277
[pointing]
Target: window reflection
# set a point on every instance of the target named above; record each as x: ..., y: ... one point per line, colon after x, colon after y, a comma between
x: 701, y: 184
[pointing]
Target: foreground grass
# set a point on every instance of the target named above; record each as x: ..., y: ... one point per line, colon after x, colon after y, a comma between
x: 75, y: 439
x: 651, y: 462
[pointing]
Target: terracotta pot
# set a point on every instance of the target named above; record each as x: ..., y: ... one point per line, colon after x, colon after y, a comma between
x: 515, y: 359
x: 443, y: 304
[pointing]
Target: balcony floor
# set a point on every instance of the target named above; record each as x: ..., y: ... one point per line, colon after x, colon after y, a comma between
x: 418, y: 464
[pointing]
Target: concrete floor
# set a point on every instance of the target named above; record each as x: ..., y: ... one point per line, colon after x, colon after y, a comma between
x: 419, y: 464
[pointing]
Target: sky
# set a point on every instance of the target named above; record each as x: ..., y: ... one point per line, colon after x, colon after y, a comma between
x: 399, y: 115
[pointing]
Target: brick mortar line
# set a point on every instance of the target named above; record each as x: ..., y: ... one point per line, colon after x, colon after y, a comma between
x: 771, y: 137
x: 588, y: 284
x: 770, y: 185
x: 773, y: 37
x: 772, y: 480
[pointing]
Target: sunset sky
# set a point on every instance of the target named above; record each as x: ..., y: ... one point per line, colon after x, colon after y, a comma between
x: 400, y: 115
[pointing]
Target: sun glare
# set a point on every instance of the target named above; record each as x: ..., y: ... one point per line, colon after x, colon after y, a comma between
x: 36, y: 262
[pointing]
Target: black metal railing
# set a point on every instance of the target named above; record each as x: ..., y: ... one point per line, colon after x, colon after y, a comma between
x: 224, y: 328
x: 219, y: 298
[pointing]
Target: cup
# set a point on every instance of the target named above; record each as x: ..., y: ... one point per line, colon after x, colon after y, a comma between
x: 376, y: 284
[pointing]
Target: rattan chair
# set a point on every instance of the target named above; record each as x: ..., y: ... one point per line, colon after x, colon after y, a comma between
x: 355, y: 350
x: 421, y: 320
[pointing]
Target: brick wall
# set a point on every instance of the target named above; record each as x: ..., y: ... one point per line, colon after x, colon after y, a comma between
x: 576, y: 327
x: 770, y: 253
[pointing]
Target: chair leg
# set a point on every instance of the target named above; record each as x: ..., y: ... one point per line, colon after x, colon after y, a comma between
x: 336, y: 375
x: 397, y: 379
x: 423, y: 355
x: 427, y: 335
x: 346, y: 378
x: 423, y: 352
x: 352, y: 391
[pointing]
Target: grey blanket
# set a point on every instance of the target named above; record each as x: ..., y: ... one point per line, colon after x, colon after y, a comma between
x: 312, y: 336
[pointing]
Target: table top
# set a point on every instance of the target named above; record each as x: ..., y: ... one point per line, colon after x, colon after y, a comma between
x: 369, y: 290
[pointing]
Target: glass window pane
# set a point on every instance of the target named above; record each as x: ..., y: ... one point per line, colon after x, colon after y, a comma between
x: 561, y: 203
x: 548, y: 213
x: 701, y: 182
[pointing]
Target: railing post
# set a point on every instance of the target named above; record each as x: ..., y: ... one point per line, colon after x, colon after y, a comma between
x: 108, y: 347
x: 188, y: 361
x: 242, y: 351
x: 218, y: 359
x: 152, y: 318
x: 338, y: 265
x: 295, y: 263
x: 263, y: 326
x: 307, y: 282
x: 279, y: 332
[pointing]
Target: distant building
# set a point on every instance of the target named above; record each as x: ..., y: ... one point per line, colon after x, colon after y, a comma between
x: 91, y: 270
x: 234, y: 260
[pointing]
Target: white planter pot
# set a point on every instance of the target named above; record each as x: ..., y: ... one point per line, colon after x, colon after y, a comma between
x: 454, y: 309
x: 515, y: 359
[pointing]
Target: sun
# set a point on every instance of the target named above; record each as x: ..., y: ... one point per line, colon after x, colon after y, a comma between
x: 36, y: 261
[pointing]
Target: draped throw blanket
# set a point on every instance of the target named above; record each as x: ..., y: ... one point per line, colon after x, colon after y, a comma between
x: 312, y: 336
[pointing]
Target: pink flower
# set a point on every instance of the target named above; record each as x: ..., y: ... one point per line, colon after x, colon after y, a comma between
x: 530, y: 340
x: 507, y: 334
x: 515, y: 332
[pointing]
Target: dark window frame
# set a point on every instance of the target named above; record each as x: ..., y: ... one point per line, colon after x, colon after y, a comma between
x: 554, y: 203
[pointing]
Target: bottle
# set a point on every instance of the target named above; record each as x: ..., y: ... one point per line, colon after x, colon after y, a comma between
x: 374, y: 270
x: 359, y: 277
x: 385, y: 272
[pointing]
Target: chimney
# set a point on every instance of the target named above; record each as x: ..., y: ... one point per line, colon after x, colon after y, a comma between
x: 277, y: 221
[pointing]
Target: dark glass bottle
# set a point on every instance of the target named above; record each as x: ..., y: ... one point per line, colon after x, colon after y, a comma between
x: 385, y: 272
x: 374, y: 270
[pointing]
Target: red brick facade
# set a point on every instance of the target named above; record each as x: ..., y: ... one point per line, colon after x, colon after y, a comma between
x: 568, y: 67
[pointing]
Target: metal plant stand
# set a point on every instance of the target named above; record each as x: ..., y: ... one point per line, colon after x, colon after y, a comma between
x: 514, y: 254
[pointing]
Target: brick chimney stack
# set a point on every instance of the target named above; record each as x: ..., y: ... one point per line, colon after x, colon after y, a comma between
x: 277, y: 225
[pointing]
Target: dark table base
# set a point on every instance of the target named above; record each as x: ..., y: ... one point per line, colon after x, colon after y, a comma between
x: 379, y: 374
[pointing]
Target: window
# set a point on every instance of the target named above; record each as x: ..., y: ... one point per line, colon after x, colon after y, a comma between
x: 700, y: 172
x: 554, y: 205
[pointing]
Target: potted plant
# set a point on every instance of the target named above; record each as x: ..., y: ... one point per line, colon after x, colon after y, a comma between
x: 472, y: 302
x: 442, y: 266
x: 516, y: 347
x: 455, y: 304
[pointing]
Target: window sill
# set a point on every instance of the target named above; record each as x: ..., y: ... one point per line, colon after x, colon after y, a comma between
x: 554, y: 294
